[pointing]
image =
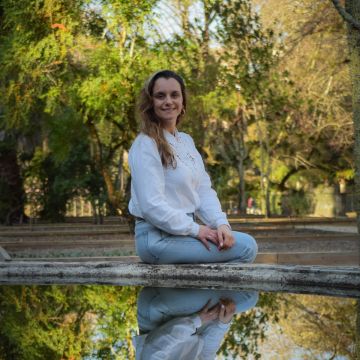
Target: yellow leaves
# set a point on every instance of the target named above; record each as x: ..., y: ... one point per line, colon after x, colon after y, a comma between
x: 256, y: 131
x: 252, y: 133
x: 105, y: 87
x: 320, y: 324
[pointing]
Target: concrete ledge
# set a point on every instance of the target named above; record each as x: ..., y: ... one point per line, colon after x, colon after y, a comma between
x: 344, y: 281
x: 283, y: 258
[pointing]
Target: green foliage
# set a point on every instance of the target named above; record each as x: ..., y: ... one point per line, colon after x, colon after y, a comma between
x: 347, y: 174
x: 297, y: 203
x: 57, y: 180
x: 57, y: 78
x: 279, y: 171
x: 72, y: 322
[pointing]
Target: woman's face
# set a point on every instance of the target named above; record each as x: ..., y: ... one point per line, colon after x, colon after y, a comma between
x: 167, y: 101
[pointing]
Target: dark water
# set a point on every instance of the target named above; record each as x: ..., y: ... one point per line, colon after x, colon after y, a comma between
x: 114, y: 322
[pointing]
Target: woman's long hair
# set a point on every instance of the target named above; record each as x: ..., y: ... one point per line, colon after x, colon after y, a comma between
x: 151, y: 124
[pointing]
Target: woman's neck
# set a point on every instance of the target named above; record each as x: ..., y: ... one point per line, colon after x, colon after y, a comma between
x: 171, y: 130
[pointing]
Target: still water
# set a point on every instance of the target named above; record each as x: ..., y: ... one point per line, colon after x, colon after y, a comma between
x: 113, y: 322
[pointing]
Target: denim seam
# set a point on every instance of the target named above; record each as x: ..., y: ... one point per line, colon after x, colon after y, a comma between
x: 148, y: 248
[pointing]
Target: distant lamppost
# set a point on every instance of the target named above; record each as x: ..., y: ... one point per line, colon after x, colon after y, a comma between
x: 342, y: 190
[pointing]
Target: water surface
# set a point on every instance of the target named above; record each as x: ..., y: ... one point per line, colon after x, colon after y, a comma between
x: 122, y: 322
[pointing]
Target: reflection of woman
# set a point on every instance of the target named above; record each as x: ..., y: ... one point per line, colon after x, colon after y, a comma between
x: 186, y: 323
x: 170, y: 185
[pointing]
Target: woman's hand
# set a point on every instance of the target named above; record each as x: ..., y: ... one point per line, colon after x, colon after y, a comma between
x: 207, y: 314
x: 205, y: 234
x: 227, y: 310
x: 225, y: 237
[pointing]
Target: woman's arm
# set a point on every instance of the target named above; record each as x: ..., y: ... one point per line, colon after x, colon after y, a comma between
x: 210, y: 208
x: 174, y: 339
x: 212, y: 335
x: 215, y: 331
x: 148, y: 183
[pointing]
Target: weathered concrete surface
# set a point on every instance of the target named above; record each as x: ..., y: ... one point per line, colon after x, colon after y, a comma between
x: 344, y: 281
x: 289, y: 258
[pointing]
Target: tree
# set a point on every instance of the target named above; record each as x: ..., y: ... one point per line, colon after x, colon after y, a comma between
x: 71, y: 322
x: 33, y: 55
x: 248, y: 329
x: 106, y: 91
x: 84, y: 62
x: 351, y: 14
x: 246, y: 58
x: 321, y: 326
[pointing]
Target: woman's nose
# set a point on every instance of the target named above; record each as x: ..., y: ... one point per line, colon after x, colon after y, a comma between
x: 168, y: 99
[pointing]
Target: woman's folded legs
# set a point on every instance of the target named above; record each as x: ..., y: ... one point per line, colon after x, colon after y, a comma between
x: 155, y: 246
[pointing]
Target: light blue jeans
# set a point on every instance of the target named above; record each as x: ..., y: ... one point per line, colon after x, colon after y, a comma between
x: 155, y: 246
x: 159, y: 305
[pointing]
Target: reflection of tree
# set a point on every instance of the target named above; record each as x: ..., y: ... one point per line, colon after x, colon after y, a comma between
x: 66, y: 322
x: 322, y: 326
x: 248, y: 329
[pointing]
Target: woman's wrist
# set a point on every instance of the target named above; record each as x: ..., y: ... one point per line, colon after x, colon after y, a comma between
x: 227, y: 225
x: 195, y: 230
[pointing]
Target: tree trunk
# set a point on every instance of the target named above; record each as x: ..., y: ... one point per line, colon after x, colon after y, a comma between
x: 267, y: 197
x: 242, y: 193
x: 11, y: 185
x: 241, y: 124
x: 183, y: 8
x: 264, y: 167
x: 206, y: 34
x: 113, y: 195
x: 353, y: 8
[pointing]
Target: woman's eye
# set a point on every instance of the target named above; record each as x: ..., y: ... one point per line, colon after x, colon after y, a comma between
x: 162, y: 96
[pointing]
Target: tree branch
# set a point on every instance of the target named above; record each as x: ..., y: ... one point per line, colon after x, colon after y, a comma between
x: 345, y: 15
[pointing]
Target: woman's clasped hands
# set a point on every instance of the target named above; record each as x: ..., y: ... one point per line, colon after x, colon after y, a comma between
x: 222, y: 237
x: 223, y: 311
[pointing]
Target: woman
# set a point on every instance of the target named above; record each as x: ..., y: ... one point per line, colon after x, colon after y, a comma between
x: 186, y: 323
x: 170, y: 186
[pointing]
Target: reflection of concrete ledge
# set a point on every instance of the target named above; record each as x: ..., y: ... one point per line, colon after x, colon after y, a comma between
x: 341, y: 281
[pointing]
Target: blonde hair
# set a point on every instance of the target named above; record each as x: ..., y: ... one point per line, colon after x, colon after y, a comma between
x: 150, y: 123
